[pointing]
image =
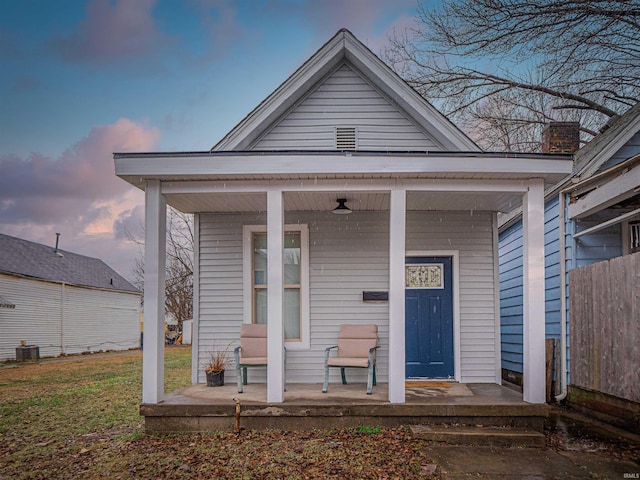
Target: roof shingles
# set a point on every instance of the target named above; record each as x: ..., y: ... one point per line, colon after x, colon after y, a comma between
x: 22, y: 257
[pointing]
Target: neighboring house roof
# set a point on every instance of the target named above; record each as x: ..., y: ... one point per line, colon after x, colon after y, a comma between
x: 590, y: 158
x: 30, y: 259
x: 596, y: 153
x: 618, y: 184
x: 343, y: 48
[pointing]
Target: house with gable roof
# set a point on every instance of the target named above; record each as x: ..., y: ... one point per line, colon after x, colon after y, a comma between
x: 62, y: 302
x: 418, y: 198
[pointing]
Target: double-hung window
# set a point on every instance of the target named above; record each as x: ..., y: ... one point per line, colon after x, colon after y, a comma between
x: 296, y: 281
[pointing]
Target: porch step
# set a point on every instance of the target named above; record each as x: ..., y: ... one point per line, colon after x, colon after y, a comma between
x: 479, y: 435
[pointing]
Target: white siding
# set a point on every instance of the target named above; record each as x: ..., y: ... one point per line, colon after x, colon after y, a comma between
x: 349, y: 255
x: 345, y: 99
x: 36, y: 318
x: 92, y: 320
x: 99, y: 320
x: 346, y: 256
x: 220, y: 286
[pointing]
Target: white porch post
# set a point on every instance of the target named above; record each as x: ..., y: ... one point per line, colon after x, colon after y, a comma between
x: 154, y: 275
x: 397, y: 227
x: 275, y: 297
x: 533, y: 328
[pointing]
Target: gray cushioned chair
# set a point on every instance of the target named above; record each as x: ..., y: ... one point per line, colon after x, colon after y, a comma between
x: 357, y: 345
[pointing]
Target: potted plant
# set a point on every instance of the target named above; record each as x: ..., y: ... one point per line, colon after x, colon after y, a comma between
x: 214, y: 368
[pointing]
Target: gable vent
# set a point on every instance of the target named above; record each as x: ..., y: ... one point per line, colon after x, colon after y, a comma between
x: 345, y: 138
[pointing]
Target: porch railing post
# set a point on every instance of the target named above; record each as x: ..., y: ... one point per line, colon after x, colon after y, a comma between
x: 275, y: 297
x: 397, y: 235
x: 154, y: 278
x: 533, y: 328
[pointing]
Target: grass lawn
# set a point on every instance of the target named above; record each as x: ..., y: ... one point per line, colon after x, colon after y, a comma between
x: 78, y: 418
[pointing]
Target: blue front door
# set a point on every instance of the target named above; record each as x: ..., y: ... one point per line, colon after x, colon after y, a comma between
x: 429, y: 317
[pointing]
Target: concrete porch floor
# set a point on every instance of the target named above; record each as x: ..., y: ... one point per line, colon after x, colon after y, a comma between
x: 202, y: 408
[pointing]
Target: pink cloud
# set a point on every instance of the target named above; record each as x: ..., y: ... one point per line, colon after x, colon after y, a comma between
x: 77, y: 194
x: 84, y: 171
x: 111, y: 32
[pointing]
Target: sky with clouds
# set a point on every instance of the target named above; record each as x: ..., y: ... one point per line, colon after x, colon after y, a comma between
x: 82, y: 79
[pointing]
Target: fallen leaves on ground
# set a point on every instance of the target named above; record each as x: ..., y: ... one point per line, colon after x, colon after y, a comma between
x: 78, y: 418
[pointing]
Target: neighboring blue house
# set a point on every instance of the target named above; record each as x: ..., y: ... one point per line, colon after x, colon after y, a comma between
x: 600, y: 220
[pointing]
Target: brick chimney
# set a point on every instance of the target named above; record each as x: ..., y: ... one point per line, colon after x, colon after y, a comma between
x: 561, y: 137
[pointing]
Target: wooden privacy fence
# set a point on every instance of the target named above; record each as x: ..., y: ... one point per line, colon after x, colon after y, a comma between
x: 604, y: 305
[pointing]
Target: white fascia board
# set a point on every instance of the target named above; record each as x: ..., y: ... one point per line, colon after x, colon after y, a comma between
x: 353, y: 185
x: 616, y: 190
x: 345, y: 46
x: 166, y: 166
x: 283, y: 97
x: 429, y: 118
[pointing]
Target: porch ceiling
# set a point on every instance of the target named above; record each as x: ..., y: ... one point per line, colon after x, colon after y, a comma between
x: 356, y: 201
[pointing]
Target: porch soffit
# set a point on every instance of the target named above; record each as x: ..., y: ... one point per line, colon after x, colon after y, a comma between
x: 356, y: 201
x: 344, y: 173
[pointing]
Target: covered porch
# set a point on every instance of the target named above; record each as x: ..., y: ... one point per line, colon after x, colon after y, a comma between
x: 202, y: 408
x: 394, y: 186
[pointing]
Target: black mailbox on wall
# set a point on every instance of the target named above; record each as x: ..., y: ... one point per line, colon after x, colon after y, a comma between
x: 375, y: 296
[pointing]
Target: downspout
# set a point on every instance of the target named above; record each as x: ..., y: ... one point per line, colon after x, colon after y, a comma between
x: 62, y: 301
x: 563, y: 301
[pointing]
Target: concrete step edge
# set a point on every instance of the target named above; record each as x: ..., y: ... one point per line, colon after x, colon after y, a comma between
x: 473, y: 435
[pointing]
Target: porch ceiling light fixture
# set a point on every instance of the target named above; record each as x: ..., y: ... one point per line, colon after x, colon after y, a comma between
x: 341, y: 209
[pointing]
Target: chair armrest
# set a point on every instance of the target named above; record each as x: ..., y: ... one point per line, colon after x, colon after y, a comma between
x: 371, y: 351
x: 326, y: 353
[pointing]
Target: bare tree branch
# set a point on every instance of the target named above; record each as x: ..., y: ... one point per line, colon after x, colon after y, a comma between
x: 179, y: 268
x: 581, y: 56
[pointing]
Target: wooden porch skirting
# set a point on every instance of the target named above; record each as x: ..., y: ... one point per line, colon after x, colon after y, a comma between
x: 199, y: 408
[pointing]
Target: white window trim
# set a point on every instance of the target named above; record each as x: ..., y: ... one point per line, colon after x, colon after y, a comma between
x: 247, y: 273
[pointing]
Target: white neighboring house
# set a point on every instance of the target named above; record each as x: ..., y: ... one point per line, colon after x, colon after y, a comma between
x: 63, y: 302
x: 421, y: 232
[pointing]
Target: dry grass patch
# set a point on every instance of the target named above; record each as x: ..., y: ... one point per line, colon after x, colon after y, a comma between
x: 78, y: 418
